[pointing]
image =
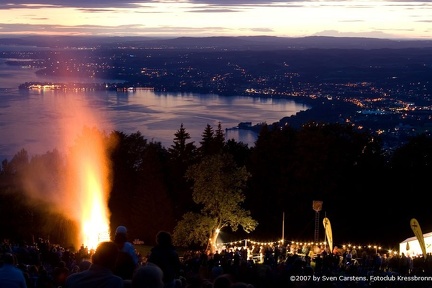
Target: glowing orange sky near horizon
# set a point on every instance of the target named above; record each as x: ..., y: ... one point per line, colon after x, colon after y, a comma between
x: 367, y: 18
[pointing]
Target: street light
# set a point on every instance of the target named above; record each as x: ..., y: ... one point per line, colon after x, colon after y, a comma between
x: 317, y: 206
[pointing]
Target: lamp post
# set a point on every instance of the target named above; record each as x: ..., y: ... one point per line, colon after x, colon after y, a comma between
x: 317, y: 206
x: 283, y: 228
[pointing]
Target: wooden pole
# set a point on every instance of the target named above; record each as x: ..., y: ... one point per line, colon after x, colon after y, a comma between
x: 283, y: 227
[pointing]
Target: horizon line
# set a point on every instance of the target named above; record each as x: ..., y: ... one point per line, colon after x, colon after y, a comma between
x: 381, y: 37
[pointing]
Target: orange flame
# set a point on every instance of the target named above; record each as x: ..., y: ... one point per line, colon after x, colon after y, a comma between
x: 92, y: 182
x: 89, y: 173
x: 94, y: 214
x: 82, y: 195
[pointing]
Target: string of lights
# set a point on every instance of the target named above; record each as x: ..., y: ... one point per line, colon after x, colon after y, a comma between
x: 246, y: 242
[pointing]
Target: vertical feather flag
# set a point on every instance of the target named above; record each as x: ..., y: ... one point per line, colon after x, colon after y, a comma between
x: 328, y: 232
x: 415, y: 226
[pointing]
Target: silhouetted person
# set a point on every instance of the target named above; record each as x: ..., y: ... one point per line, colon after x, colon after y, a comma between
x: 60, y: 273
x: 10, y: 275
x: 166, y: 257
x: 100, y: 273
x: 148, y: 276
x: 44, y: 279
x: 222, y: 281
x: 127, y: 260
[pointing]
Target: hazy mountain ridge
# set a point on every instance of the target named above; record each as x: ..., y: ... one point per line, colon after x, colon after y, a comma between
x: 217, y: 43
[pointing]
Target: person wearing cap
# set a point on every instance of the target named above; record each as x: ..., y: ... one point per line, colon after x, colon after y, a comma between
x: 127, y: 260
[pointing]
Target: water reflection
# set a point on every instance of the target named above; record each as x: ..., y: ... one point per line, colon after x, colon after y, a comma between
x: 33, y: 119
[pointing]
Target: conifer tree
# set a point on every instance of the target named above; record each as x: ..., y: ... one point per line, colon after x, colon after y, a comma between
x: 181, y: 150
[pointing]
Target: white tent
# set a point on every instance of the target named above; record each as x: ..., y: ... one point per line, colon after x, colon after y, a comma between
x: 411, y: 246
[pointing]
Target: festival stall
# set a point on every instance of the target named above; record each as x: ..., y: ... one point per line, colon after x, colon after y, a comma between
x: 411, y: 246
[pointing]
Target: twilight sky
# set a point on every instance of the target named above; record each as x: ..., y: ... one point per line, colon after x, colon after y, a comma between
x: 165, y: 18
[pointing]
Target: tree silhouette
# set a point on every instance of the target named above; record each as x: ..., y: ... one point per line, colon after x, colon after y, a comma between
x: 182, y: 154
x: 181, y: 150
x: 139, y: 197
x: 219, y: 138
x: 207, y: 139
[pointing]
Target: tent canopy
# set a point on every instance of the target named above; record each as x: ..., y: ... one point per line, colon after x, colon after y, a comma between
x: 414, y: 245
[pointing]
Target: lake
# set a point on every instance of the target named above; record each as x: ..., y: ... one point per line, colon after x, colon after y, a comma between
x: 42, y: 120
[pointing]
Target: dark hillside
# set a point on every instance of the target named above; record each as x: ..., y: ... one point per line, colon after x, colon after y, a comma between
x: 217, y: 43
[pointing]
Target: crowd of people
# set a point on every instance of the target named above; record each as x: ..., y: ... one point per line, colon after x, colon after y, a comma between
x: 117, y: 264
